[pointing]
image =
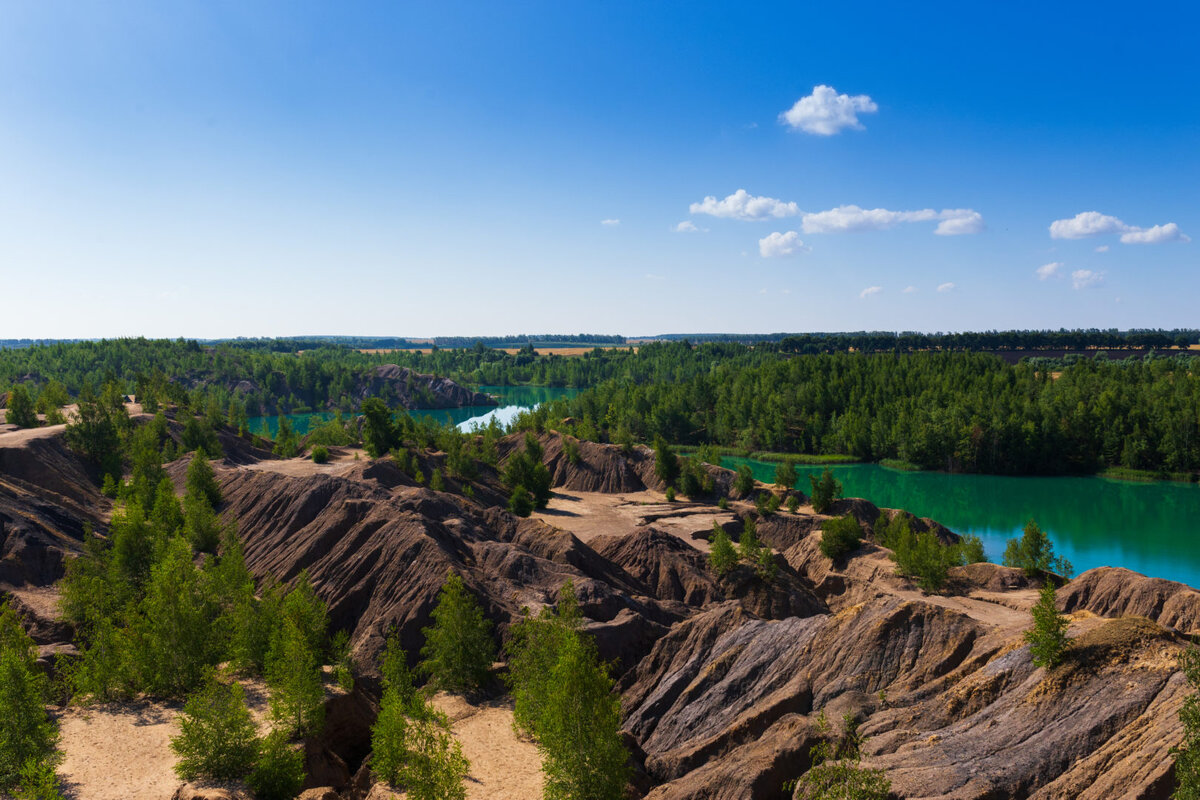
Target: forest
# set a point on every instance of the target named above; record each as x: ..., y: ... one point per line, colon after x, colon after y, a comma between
x: 935, y: 409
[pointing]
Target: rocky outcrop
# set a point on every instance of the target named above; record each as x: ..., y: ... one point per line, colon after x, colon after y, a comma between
x: 404, y: 387
x: 1114, y: 592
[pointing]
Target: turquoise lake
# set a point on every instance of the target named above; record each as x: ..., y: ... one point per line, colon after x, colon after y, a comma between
x: 1152, y: 528
x: 513, y: 400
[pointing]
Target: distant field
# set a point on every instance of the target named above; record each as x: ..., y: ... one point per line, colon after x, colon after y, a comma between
x: 512, y: 351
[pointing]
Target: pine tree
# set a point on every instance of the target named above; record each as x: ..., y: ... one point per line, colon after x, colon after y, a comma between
x: 824, y: 491
x: 1048, y: 636
x: 201, y: 481
x: 748, y: 544
x: 785, y: 475
x: 20, y: 408
x: 721, y: 555
x: 459, y: 649
x: 27, y: 735
x: 1187, y: 754
x: 666, y: 463
x: 217, y: 737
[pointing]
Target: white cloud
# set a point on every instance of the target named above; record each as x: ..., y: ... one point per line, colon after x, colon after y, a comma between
x: 851, y: 218
x: 610, y: 222
x: 908, y: 290
x: 687, y: 226
x: 1093, y: 223
x: 1159, y: 233
x: 946, y: 287
x: 779, y: 244
x: 870, y: 290
x: 959, y: 222
x: 1047, y: 271
x: 1083, y: 278
x: 1102, y: 248
x: 825, y: 112
x: 745, y: 206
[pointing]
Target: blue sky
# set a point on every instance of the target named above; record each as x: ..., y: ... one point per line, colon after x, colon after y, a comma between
x: 231, y: 168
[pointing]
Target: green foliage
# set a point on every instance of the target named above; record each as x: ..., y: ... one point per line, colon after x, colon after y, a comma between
x: 279, y: 772
x: 526, y: 470
x: 342, y: 660
x: 582, y: 752
x: 217, y: 738
x: 51, y: 399
x: 837, y: 773
x: 520, y: 502
x: 721, y: 556
x: 670, y: 494
x: 287, y: 443
x: 293, y: 672
x: 201, y: 481
x: 563, y: 697
x: 199, y: 434
x: 27, y: 735
x: 436, y: 482
x: 332, y: 433
x: 166, y: 515
x: 785, y: 475
x: 824, y: 491
x: 840, y: 536
x: 1034, y: 553
x: 743, y: 484
x: 1048, y: 636
x: 39, y: 781
x: 1187, y: 753
x: 766, y: 567
x: 694, y: 479
x: 748, y: 545
x: 459, y: 649
x: 378, y: 429
x: 972, y: 549
x: 666, y: 463
x: 412, y: 747
x: 571, y: 449
x: 200, y: 524
x: 95, y: 433
x: 320, y: 454
x: 793, y: 503
x: 21, y: 410
x: 722, y: 503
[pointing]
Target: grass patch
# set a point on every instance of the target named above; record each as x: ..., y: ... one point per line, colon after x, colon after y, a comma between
x: 771, y: 456
x: 896, y: 463
x: 1147, y: 475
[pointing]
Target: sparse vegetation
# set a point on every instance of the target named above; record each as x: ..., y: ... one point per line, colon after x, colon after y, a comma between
x: 1048, y: 637
x: 1034, y: 553
x: 824, y: 491
x: 28, y: 735
x: 840, y: 537
x: 217, y: 739
x: 459, y: 649
x: 721, y: 556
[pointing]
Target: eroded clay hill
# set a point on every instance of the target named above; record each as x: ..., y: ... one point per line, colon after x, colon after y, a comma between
x: 722, y: 680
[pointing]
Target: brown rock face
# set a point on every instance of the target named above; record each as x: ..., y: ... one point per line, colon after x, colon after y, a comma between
x: 1114, y: 592
x: 401, y: 386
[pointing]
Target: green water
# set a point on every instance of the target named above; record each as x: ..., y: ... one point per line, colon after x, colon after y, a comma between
x: 513, y: 400
x: 1152, y: 528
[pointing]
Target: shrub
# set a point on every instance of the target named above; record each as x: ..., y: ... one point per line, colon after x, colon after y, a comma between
x: 459, y: 649
x: 840, y: 536
x: 836, y: 772
x: 217, y: 736
x: 793, y: 503
x: 824, y: 491
x: 39, y: 781
x: 670, y: 494
x: 723, y: 503
x: 1034, y: 553
x: 294, y: 675
x: 721, y: 555
x: 279, y: 771
x: 520, y: 502
x: 533, y: 649
x: 748, y: 544
x: 1187, y: 753
x: 526, y: 470
x: 666, y: 463
x: 27, y: 735
x: 1048, y: 636
x: 571, y: 448
x: 436, y: 482
x: 287, y: 443
x: 743, y: 484
x: 201, y: 481
x: 343, y: 662
x: 766, y: 567
x: 320, y: 454
x: 21, y: 410
x: 972, y: 549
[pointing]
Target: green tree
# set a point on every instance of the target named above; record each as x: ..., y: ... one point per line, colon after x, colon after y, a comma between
x: 201, y: 481
x: 840, y: 536
x: 51, y: 400
x: 533, y: 649
x: 583, y: 757
x: 293, y: 673
x: 217, y: 737
x: 279, y: 772
x: 27, y: 734
x: 785, y: 475
x: 666, y: 463
x: 174, y: 631
x: 378, y: 429
x: 1048, y: 636
x: 1187, y: 753
x: 95, y: 434
x: 1034, y: 553
x: 526, y: 470
x: 287, y: 443
x: 520, y: 502
x: 21, y: 410
x: 459, y: 649
x: 749, y: 546
x: 743, y: 484
x: 721, y: 556
x: 837, y: 772
x: 824, y: 491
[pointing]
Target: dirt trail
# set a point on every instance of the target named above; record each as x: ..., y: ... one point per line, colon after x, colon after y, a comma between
x: 118, y: 752
x: 503, y: 766
x: 592, y: 514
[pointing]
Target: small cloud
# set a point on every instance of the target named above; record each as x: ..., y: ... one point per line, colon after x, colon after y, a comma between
x: 908, y: 290
x: 612, y: 223
x: 946, y: 287
x: 1093, y: 223
x: 1047, y: 271
x: 744, y: 206
x: 852, y: 219
x: 650, y: 276
x: 825, y: 112
x: 687, y: 226
x: 777, y: 245
x: 1102, y: 248
x: 1085, y: 278
x: 762, y: 291
x: 785, y: 291
x: 1159, y: 233
x: 870, y: 290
